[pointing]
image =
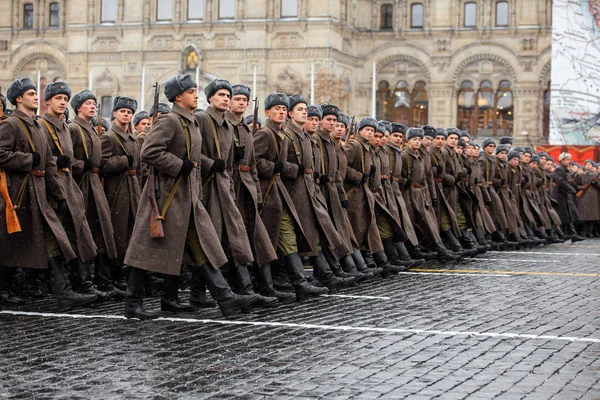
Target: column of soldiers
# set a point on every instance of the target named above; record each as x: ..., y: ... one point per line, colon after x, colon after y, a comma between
x: 179, y: 197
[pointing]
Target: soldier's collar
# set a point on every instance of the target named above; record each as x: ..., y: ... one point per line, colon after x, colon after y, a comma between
x: 323, y: 135
x: 115, y: 128
x: 21, y: 115
x: 363, y: 143
x: 57, y: 123
x: 276, y: 128
x: 220, y: 120
x: 183, y: 113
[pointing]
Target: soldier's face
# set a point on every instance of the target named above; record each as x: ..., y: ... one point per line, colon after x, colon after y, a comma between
x: 238, y: 104
x: 312, y: 124
x: 427, y: 141
x: 366, y: 133
x: 459, y: 150
x: 395, y: 139
x: 533, y: 165
x: 414, y: 142
x: 220, y: 100
x: 188, y: 99
x: 123, y: 115
x: 514, y: 162
x: 501, y: 156
x: 384, y: 140
x: 548, y: 166
x: 339, y: 131
x: 328, y: 123
x: 58, y: 104
x: 526, y: 157
x: 299, y: 114
x: 143, y: 125
x: 439, y: 141
x: 542, y: 160
x: 468, y: 151
x: 277, y: 113
x: 588, y: 166
x: 452, y: 140
x: 87, y: 109
x: 29, y: 100
x: 489, y: 149
x: 376, y: 139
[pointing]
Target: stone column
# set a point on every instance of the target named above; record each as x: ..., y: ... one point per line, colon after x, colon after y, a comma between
x: 526, y: 118
x: 442, y: 105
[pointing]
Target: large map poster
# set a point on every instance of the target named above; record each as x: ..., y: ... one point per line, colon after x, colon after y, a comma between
x: 575, y: 101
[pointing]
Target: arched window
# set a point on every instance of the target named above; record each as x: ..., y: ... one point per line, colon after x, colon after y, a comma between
x: 502, y: 13
x: 416, y: 15
x: 54, y: 15
x: 382, y: 99
x: 401, y: 111
x: 164, y: 10
x: 466, y: 107
x: 420, y: 105
x: 504, y: 109
x: 470, y: 15
x: 485, y: 108
x: 486, y: 112
x: 28, y: 16
x: 387, y: 16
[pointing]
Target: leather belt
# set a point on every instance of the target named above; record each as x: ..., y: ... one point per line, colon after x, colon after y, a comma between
x: 438, y: 180
x: 95, y: 170
x: 395, y: 179
x: 489, y: 182
x: 37, y: 172
x: 480, y: 184
x: 308, y: 171
x: 243, y: 168
x: 517, y: 184
x: 385, y: 176
x: 416, y: 185
x: 554, y: 184
x: 544, y: 187
x: 131, y: 172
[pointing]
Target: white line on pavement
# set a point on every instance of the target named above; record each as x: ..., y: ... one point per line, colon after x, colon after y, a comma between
x: 547, y: 253
x: 505, y: 335
x: 357, y: 297
x: 515, y: 260
x: 450, y: 273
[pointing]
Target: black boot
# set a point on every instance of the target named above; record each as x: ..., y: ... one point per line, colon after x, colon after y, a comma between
x: 391, y: 252
x: 361, y: 265
x: 228, y: 301
x: 85, y: 275
x: 444, y: 255
x: 61, y: 288
x: 383, y: 263
x: 419, y: 253
x: 535, y: 240
x: 303, y: 289
x: 134, y: 296
x: 198, y: 290
x: 244, y: 286
x: 480, y: 238
x: 469, y: 242
x: 404, y: 256
x: 102, y: 275
x: 265, y: 285
x: 552, y: 238
x: 348, y: 265
x: 574, y: 236
x: 323, y: 273
x: 453, y: 244
x: 170, y: 299
x: 368, y: 257
x: 334, y: 264
x: 6, y: 294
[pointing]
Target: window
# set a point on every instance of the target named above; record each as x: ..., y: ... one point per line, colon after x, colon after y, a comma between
x: 54, y: 14
x: 289, y: 8
x: 109, y: 11
x: 387, y: 16
x: 420, y: 109
x: 466, y: 107
x: 226, y: 9
x: 28, y: 16
x: 502, y: 13
x: 485, y: 112
x: 164, y: 10
x: 382, y: 99
x: 416, y: 16
x: 195, y: 9
x: 470, y: 15
x: 402, y: 106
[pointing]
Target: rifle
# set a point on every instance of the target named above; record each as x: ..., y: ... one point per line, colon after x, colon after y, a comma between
x: 100, y: 128
x: 153, y: 193
x: 586, y: 187
x: 351, y: 131
x: 255, y: 117
x: 12, y: 220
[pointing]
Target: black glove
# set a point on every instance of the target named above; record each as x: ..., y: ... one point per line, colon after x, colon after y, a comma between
x: 502, y: 182
x: 439, y: 169
x: 539, y: 183
x: 239, y: 152
x: 364, y: 178
x: 218, y: 165
x: 88, y: 164
x: 407, y: 184
x: 63, y: 162
x: 324, y: 179
x: 383, y: 180
x: 594, y: 183
x: 525, y: 179
x: 459, y: 177
x: 129, y: 160
x: 186, y: 168
x: 316, y: 175
x: 301, y: 169
x: 344, y: 203
x: 259, y: 206
x: 468, y: 168
x: 434, y: 202
x: 476, y: 180
x: 373, y: 170
x: 61, y: 207
x: 37, y: 158
x: 278, y: 167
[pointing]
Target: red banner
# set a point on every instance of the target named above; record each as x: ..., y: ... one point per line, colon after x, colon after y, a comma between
x: 579, y: 153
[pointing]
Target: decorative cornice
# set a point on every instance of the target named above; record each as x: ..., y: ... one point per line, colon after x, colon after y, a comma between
x: 403, y: 57
x: 480, y: 57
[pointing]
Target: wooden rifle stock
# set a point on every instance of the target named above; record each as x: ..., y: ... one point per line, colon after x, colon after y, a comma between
x: 156, y: 226
x: 12, y: 220
x: 100, y: 128
x: 586, y: 187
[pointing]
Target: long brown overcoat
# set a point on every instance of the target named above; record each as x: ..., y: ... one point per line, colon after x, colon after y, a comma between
x: 563, y: 191
x: 442, y: 180
x: 165, y: 149
x: 506, y: 196
x: 59, y: 138
x: 343, y: 225
x: 97, y: 209
x: 218, y: 188
x: 121, y: 183
x: 395, y: 168
x: 588, y: 205
x: 270, y: 145
x: 27, y: 248
x: 482, y: 218
x: 384, y: 195
x: 248, y: 195
x: 528, y: 190
x: 487, y: 164
x: 548, y: 201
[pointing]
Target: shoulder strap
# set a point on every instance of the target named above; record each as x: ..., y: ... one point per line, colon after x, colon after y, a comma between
x: 52, y: 134
x: 215, y: 136
x: 83, y: 140
x: 274, y: 136
x: 27, y: 132
x: 114, y: 134
x: 186, y: 131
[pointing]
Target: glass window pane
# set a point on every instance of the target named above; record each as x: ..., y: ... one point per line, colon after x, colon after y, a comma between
x: 195, y: 9
x: 289, y: 8
x: 164, y: 10
x: 502, y: 13
x: 28, y: 16
x: 109, y: 10
x: 387, y: 16
x: 470, y: 14
x: 416, y: 16
x: 226, y: 9
x: 54, y: 14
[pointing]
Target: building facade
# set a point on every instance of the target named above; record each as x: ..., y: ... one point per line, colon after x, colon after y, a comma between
x: 481, y: 65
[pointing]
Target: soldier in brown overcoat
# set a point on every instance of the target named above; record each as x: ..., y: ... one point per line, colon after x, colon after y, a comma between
x: 564, y: 189
x: 278, y: 211
x: 30, y: 169
x: 535, y: 223
x: 588, y: 204
x: 173, y: 149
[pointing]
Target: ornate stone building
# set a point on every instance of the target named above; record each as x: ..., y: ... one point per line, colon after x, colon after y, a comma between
x: 482, y: 65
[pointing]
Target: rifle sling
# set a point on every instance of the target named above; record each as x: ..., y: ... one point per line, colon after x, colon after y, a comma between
x: 83, y: 141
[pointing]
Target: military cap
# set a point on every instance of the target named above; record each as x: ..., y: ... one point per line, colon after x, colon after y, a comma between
x: 381, y: 127
x: 588, y: 161
x: 542, y: 154
x: 550, y: 158
x: 3, y: 99
x: 386, y: 124
x: 81, y: 98
x: 396, y: 127
x: 277, y: 99
x: 248, y: 120
x: 295, y: 100
x: 54, y: 88
x: 506, y: 140
x: 535, y: 158
x: 344, y: 119
x: 124, y: 102
x: 475, y: 144
x: 330, y: 109
x: 527, y: 150
x: 239, y: 89
x: 518, y: 149
x: 501, y: 148
x: 429, y: 130
x: 139, y: 117
x: 440, y: 132
x: 461, y: 143
x: 368, y: 121
x: 67, y: 114
x: 465, y: 133
x: 453, y: 131
x: 105, y: 123
x: 414, y: 132
x: 564, y: 155
x: 215, y: 85
x: 163, y: 108
x: 513, y: 154
x: 17, y: 88
x: 315, y: 111
x: 178, y: 84
x: 487, y: 142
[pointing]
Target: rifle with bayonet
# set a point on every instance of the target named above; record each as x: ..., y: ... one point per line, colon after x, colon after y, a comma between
x: 352, y: 132
x: 255, y: 117
x: 100, y: 127
x: 153, y: 193
x: 12, y: 220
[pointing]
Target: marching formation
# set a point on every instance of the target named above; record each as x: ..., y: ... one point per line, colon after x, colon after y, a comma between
x: 180, y: 198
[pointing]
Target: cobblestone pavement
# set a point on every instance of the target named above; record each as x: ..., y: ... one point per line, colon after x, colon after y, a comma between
x: 508, y: 325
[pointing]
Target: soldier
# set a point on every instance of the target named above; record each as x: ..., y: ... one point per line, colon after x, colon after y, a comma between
x: 563, y: 190
x: 219, y: 153
x: 248, y: 195
x: 173, y: 149
x: 538, y: 180
x: 141, y: 124
x: 588, y: 198
x: 87, y: 159
x: 535, y: 222
x: 249, y: 121
x: 163, y: 108
x: 278, y: 211
x: 57, y: 96
x: 27, y: 162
